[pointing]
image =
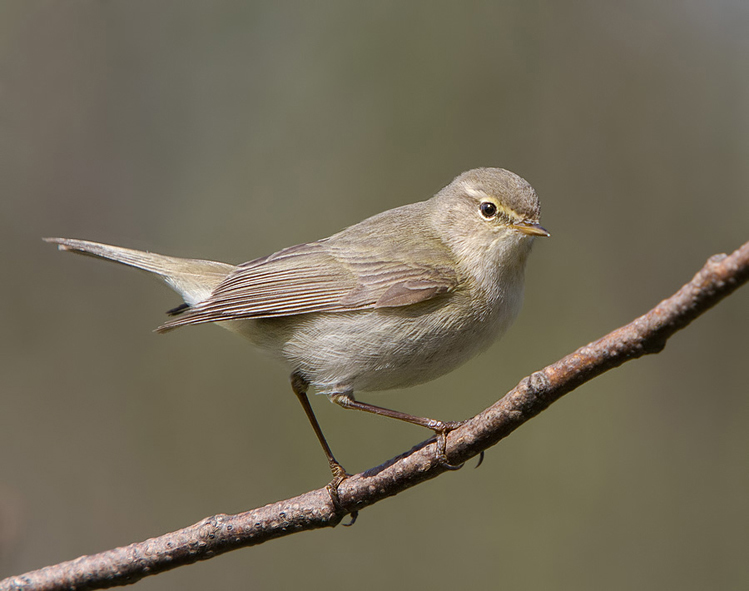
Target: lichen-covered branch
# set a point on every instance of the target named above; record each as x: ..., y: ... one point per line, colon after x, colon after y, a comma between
x: 720, y: 276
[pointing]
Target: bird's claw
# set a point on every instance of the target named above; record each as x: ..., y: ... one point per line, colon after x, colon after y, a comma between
x: 441, y: 431
x: 339, y: 475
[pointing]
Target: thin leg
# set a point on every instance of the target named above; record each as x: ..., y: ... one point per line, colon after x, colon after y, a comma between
x: 441, y: 428
x: 300, y: 385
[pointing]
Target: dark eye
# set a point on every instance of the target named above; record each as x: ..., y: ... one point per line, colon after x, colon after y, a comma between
x: 488, y: 209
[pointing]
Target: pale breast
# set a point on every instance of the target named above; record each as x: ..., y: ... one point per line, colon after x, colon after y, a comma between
x: 382, y: 349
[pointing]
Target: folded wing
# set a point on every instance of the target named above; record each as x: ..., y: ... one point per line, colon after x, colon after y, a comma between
x: 318, y: 277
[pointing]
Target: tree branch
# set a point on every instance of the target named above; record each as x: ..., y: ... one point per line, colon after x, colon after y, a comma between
x: 215, y: 535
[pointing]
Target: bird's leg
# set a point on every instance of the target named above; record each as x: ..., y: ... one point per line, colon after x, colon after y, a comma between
x: 300, y: 385
x: 441, y: 428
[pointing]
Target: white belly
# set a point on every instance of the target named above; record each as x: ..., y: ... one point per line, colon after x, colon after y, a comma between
x: 382, y: 348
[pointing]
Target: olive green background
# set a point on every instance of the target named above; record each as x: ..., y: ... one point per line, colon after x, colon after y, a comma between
x: 227, y: 130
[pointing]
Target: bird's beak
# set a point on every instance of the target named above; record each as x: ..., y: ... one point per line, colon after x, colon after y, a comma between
x: 531, y: 229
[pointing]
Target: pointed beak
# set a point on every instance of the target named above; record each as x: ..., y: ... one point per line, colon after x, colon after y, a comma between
x: 531, y: 229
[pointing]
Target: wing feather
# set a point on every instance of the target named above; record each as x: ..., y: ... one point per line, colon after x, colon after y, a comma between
x: 318, y: 277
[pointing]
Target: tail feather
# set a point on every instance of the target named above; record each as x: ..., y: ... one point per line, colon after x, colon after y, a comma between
x: 193, y: 279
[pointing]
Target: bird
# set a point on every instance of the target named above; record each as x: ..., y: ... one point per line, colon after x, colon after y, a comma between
x: 398, y: 299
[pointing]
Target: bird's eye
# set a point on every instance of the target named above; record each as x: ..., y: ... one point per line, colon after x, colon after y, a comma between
x: 488, y: 209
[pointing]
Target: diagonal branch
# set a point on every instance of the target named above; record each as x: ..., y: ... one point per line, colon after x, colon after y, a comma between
x: 215, y: 535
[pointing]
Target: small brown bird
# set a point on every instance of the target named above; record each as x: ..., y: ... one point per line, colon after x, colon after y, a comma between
x: 396, y: 300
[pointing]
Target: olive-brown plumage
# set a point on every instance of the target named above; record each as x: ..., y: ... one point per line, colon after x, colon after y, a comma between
x: 397, y: 299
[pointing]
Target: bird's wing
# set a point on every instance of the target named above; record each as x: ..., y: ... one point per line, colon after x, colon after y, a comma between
x: 318, y: 277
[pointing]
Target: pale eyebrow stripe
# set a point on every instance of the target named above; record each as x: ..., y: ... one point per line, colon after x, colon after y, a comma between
x: 474, y: 192
x: 479, y: 194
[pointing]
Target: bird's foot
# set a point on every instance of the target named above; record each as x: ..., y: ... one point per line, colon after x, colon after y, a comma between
x: 339, y: 475
x: 441, y: 429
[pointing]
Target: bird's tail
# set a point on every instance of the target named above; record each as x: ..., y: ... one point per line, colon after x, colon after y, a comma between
x: 193, y: 279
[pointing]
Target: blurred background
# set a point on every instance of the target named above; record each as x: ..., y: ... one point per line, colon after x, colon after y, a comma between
x: 227, y: 130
